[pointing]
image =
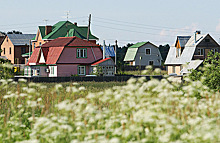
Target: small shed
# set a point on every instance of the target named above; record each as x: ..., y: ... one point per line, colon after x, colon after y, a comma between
x: 105, y: 67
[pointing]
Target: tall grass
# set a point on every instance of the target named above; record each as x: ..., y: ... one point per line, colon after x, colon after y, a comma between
x: 138, y: 111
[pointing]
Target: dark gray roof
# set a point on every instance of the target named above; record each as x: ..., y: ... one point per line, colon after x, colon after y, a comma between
x: 183, y: 40
x: 1, y: 34
x: 20, y: 39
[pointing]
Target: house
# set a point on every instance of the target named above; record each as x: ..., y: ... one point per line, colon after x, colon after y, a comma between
x: 188, y: 52
x: 109, y: 51
x: 60, y: 29
x: 63, y: 56
x: 143, y: 54
x: 14, y: 45
x: 105, y: 66
x: 2, y: 36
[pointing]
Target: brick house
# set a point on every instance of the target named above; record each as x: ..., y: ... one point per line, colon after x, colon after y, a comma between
x: 14, y: 45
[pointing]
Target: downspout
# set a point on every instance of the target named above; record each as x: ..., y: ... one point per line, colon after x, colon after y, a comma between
x: 93, y: 53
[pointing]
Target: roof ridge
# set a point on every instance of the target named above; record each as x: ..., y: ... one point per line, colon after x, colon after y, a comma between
x: 58, y: 28
x: 72, y: 38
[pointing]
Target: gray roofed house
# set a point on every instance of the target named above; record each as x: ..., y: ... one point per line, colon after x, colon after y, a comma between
x: 14, y: 45
x: 20, y: 39
x: 188, y: 52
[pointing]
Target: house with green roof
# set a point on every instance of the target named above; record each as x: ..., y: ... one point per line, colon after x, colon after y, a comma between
x: 61, y: 29
x: 143, y: 54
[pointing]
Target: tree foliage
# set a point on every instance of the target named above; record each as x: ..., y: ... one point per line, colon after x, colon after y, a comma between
x: 14, y: 32
x: 6, y: 69
x: 209, y: 73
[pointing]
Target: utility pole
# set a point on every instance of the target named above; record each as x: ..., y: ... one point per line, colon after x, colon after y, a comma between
x: 116, y: 45
x: 88, y: 27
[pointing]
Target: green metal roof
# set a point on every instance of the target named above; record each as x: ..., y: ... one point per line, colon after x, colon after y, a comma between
x: 132, y: 51
x: 61, y: 28
x: 26, y: 54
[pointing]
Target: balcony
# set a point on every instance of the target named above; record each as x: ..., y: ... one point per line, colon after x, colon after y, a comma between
x: 198, y: 57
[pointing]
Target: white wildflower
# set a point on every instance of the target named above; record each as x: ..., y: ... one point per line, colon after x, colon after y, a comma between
x: 22, y: 80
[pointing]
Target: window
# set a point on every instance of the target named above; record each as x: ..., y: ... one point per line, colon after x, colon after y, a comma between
x: 34, y: 45
x: 214, y: 51
x: 200, y: 51
x: 207, y: 40
x: 147, y: 51
x: 4, y: 51
x: 174, y: 69
x: 81, y: 53
x: 178, y: 52
x: 81, y: 70
x: 39, y: 43
x: 151, y: 62
x: 36, y: 72
x: 10, y: 50
x: 23, y: 50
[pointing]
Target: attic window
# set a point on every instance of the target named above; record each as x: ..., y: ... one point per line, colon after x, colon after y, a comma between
x: 147, y: 51
x: 207, y: 40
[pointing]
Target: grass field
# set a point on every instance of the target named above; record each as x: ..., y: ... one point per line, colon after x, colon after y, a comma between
x: 109, y: 112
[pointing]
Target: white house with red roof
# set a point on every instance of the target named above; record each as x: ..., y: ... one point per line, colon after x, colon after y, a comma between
x: 64, y: 56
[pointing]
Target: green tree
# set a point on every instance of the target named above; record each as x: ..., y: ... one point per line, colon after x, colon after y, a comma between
x: 6, y: 69
x: 209, y: 73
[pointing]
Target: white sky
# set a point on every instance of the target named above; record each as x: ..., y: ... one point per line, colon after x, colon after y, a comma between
x: 158, y: 21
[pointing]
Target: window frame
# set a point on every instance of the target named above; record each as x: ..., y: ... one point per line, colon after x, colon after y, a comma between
x: 214, y: 51
x: 84, y: 52
x: 200, y: 51
x: 151, y: 61
x: 146, y: 51
x: 78, y: 70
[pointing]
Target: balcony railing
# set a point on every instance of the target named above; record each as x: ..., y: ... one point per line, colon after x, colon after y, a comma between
x: 198, y: 57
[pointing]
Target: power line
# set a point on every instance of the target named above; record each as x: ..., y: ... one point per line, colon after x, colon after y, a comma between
x: 131, y: 30
x: 154, y: 27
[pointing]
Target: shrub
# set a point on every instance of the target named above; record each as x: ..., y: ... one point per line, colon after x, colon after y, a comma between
x: 209, y: 73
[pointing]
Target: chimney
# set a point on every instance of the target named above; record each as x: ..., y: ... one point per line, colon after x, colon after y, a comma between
x: 103, y: 49
x: 48, y: 29
x: 197, y: 32
x: 75, y: 23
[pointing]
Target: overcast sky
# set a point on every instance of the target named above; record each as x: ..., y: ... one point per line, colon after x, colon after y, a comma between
x: 128, y: 21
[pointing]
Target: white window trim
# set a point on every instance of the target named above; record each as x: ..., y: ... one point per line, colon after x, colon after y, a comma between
x: 199, y: 53
x: 84, y: 70
x: 145, y: 51
x: 83, y: 52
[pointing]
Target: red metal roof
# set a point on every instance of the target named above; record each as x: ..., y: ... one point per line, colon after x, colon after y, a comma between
x: 34, y: 56
x: 53, y: 49
x: 77, y: 42
x: 59, y: 42
x: 53, y: 55
x: 96, y: 63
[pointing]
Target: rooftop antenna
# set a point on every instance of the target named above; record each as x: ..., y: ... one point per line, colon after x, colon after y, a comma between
x: 67, y: 14
x: 45, y: 20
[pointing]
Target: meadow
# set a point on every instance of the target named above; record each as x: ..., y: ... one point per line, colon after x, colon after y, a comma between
x: 138, y: 111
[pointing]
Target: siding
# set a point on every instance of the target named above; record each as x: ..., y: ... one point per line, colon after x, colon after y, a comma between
x: 69, y: 56
x: 154, y: 56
